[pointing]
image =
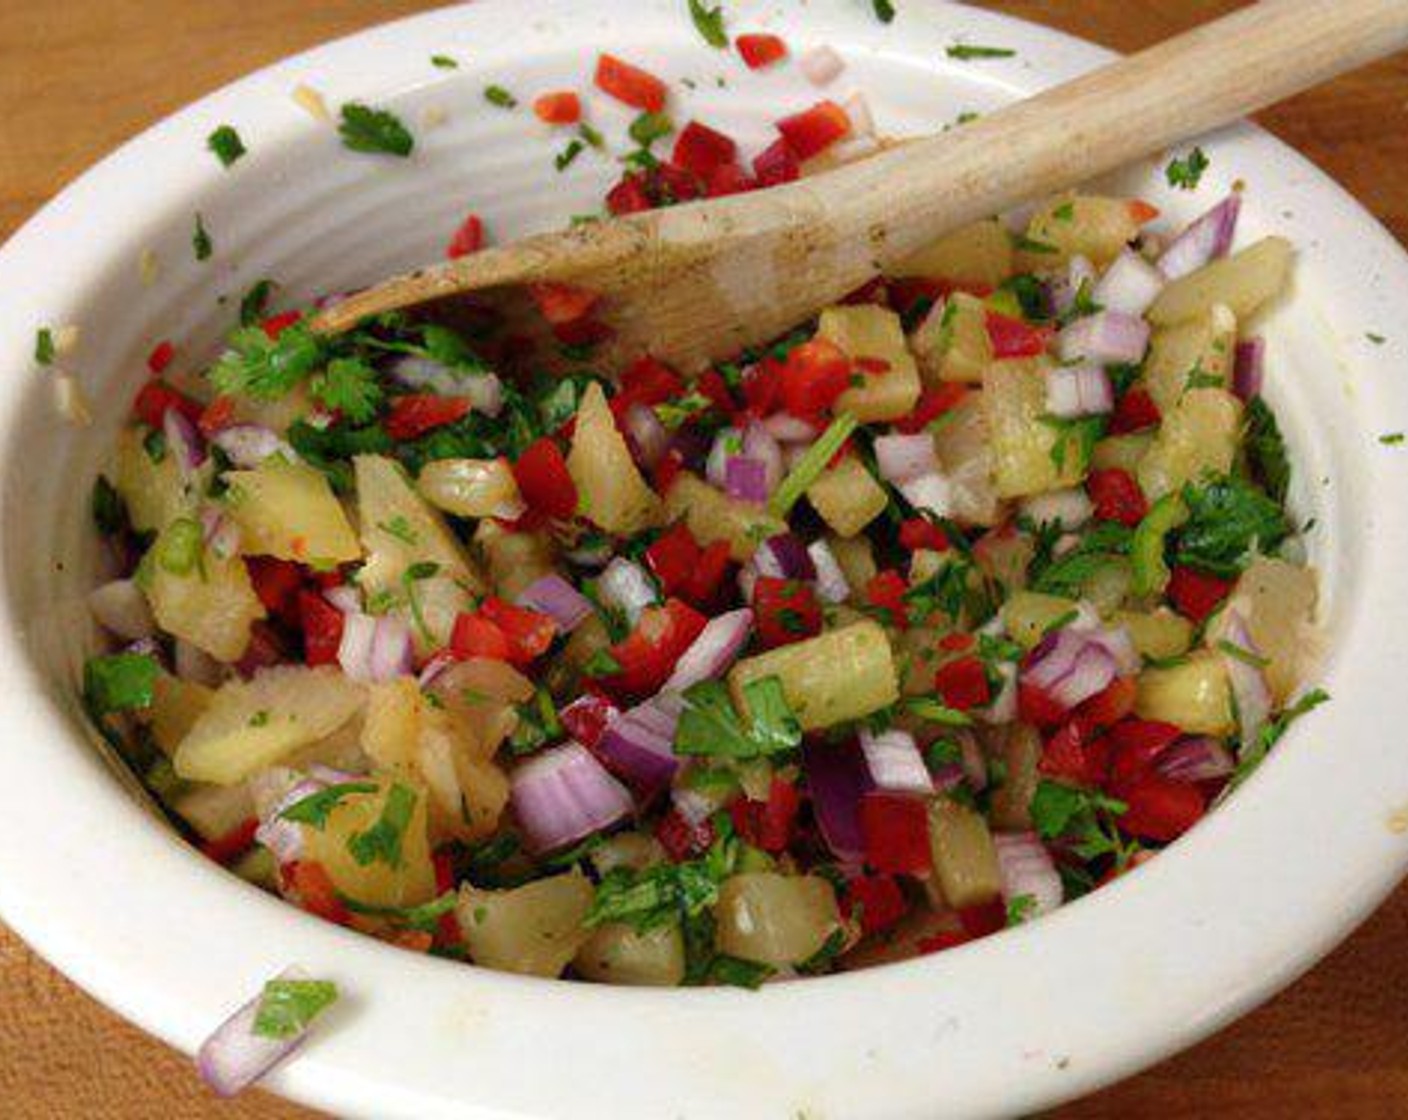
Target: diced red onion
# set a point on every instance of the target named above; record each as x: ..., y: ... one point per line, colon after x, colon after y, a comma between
x: 1249, y: 687
x: 375, y: 649
x: 746, y: 479
x: 821, y: 65
x: 1130, y: 284
x: 792, y: 453
x: 931, y: 492
x: 484, y: 391
x: 1070, y: 667
x: 1081, y: 390
x: 563, y: 794
x: 194, y: 664
x: 637, y: 744
x: 838, y: 777
x: 784, y: 556
x: 1061, y: 290
x: 345, y: 597
x: 1200, y: 759
x: 146, y: 647
x: 626, y: 586
x: 649, y: 438
x: 555, y: 596
x: 904, y: 457
x: 437, y: 664
x: 282, y: 837
x: 248, y: 445
x: 1250, y: 368
x: 1104, y: 338
x: 727, y: 442
x: 716, y: 648
x: 786, y: 428
x: 1206, y: 239
x: 831, y: 585
x: 220, y: 534
x: 183, y: 441
x: 762, y: 445
x: 1070, y: 508
x: 1027, y: 869
x: 233, y: 1058
x: 862, y: 120
x: 693, y: 806
x: 895, y: 762
x: 121, y: 608
x: 1117, y: 642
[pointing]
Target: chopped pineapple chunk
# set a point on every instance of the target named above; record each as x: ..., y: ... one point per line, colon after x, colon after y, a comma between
x: 1244, y: 282
x: 873, y: 334
x: 611, y: 492
x: 1198, y: 437
x: 952, y: 342
x: 847, y: 497
x: 288, y: 510
x: 1024, y: 444
x: 1197, y: 354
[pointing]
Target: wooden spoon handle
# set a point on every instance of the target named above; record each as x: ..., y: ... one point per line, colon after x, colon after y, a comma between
x: 1138, y: 106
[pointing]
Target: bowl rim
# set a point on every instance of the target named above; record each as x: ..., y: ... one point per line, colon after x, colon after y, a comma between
x: 1016, y: 1022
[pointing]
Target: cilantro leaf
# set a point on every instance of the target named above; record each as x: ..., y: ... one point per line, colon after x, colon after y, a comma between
x: 666, y: 893
x: 381, y: 843
x: 964, y: 52
x: 1059, y: 810
x: 119, y: 682
x: 884, y: 10
x: 650, y: 127
x: 710, y: 726
x: 563, y: 160
x: 1228, y: 520
x: 201, y: 244
x: 109, y: 511
x: 1266, y: 450
x: 424, y: 917
x: 497, y: 95
x: 266, y: 368
x: 1186, y: 172
x: 444, y: 62
x: 315, y: 809
x: 44, y: 346
x: 286, y: 1007
x: 1067, y: 575
x: 945, y: 591
x: 1021, y: 909
x: 709, y: 22
x: 225, y: 142
x: 348, y: 386
x: 364, y: 129
x: 254, y: 303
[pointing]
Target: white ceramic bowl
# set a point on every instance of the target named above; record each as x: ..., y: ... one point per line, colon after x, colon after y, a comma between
x: 1248, y: 900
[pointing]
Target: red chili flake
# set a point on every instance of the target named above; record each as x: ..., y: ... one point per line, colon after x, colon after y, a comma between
x: 1135, y: 412
x: 700, y: 149
x: 759, y: 50
x: 161, y: 357
x: 963, y: 684
x: 1194, y: 594
x: 469, y: 238
x: 560, y: 107
x: 1117, y: 496
x: 630, y: 84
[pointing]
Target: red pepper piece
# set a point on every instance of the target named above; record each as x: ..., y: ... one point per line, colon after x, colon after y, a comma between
x: 1036, y: 706
x: 944, y: 939
x: 667, y: 470
x: 709, y: 573
x: 1076, y: 754
x: 1160, y: 808
x: 276, y: 583
x: 447, y: 928
x: 728, y: 178
x: 762, y: 386
x: 957, y: 642
x: 885, y: 592
x: 308, y: 883
x: 1012, y: 338
x: 630, y: 84
x: 787, y: 611
x: 586, y: 718
x: 1142, y: 212
x: 1135, y: 412
x: 814, y: 375
x: 266, y: 647
x: 155, y: 397
x: 1117, y: 496
x: 759, y: 50
x: 529, y: 632
x: 161, y: 356
x: 984, y: 919
x: 648, y: 382
x: 226, y: 849
x: 919, y: 532
x: 963, y: 684
x: 560, y: 107
x: 275, y: 325
x: 674, y: 184
x: 700, y: 149
x: 682, y: 840
x: 648, y: 654
x: 322, y: 628
x: 932, y: 404
x: 1112, y: 704
x: 672, y: 557
x: 629, y: 196
x: 812, y: 131
x: 414, y: 414
x: 776, y: 164
x: 1135, y: 745
x: 543, y: 480
x: 473, y: 635
x: 877, y: 898
x: 216, y: 416
x: 767, y: 824
x: 469, y: 238
x: 1195, y: 594
x: 562, y: 303
x: 711, y: 384
x: 895, y: 832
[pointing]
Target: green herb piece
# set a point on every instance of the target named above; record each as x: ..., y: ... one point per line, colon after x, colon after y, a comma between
x: 382, y: 842
x: 1150, y: 569
x: 964, y: 52
x: 1083, y: 816
x: 563, y: 160
x: 225, y: 142
x: 1065, y: 212
x: 1021, y: 909
x: 259, y: 718
x: 665, y: 893
x: 820, y: 962
x: 178, y: 551
x: 497, y: 95
x: 315, y: 809
x: 709, y: 725
x: 1029, y: 293
x: 109, y: 511
x: 399, y: 528
x: 1082, y: 305
x: 935, y: 711
x: 255, y: 302
x: 1186, y: 172
x: 1027, y: 244
x: 44, y: 346
x: 1199, y: 378
x: 1098, y: 547
x: 884, y: 10
x: 650, y: 127
x: 423, y: 569
x: 1228, y: 521
x: 601, y: 664
x: 119, y: 682
x: 425, y: 917
x: 947, y: 590
x: 738, y: 973
x: 678, y: 412
x: 1376, y: 339
x: 709, y: 22
x: 443, y: 62
x: 1391, y: 439
x: 349, y: 386
x: 201, y: 243
x: 811, y: 464
x: 377, y: 131
x: 1251, y: 754
x: 265, y: 368
x: 1239, y: 653
x: 286, y: 1007
x: 591, y: 136
x: 1077, y: 435
x: 154, y: 444
x: 538, y: 724
x: 1266, y: 450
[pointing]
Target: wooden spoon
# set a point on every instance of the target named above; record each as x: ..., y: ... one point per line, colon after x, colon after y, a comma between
x: 697, y: 282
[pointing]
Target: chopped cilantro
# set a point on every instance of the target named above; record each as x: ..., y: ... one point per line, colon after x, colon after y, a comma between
x: 1021, y: 909
x: 286, y: 1007
x: 935, y: 711
x: 44, y: 346
x: 423, y: 569
x: 382, y: 842
x: 965, y: 51
x: 1185, y: 173
x: 1376, y: 339
x: 119, y: 682
x: 884, y: 10
x: 425, y: 917
x: 1099, y: 547
x: 666, y: 893
x: 738, y: 973
x: 601, y: 664
x: 1027, y: 244
x: 497, y: 95
x: 255, y: 302
x: 399, y: 528
x: 1266, y: 450
x: 809, y: 467
x: 1228, y: 520
x: 1065, y: 212
x: 109, y: 512
x: 1239, y: 653
x: 591, y: 136
x: 201, y: 244
x: 1251, y: 754
x: 1391, y: 439
x: 315, y: 809
x: 650, y: 127
x: 364, y: 129
x: 443, y: 62
x: 709, y: 22
x: 676, y: 413
x: 348, y: 386
x: 266, y: 368
x: 538, y: 724
x: 563, y: 160
x: 225, y: 142
x: 1078, y: 434
x: 946, y: 590
x: 1029, y: 293
x: 711, y: 727
x: 1059, y: 810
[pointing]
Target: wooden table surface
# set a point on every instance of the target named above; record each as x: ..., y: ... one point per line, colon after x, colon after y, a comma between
x: 78, y: 77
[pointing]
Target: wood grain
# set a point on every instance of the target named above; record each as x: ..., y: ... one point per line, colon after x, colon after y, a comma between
x: 79, y: 76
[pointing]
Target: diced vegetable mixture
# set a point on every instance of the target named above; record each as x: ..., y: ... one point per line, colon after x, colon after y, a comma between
x: 934, y: 615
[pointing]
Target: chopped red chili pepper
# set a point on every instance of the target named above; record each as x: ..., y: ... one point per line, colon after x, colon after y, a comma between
x: 630, y: 84
x: 161, y: 357
x: 529, y: 633
x: 1196, y: 594
x: 322, y: 628
x: 933, y: 403
x: 276, y: 583
x: 560, y: 107
x: 1135, y: 412
x: 469, y: 238
x: 1135, y: 744
x: 776, y: 164
x: 1160, y: 808
x: 699, y: 149
x: 767, y: 824
x: 629, y: 196
x: 919, y: 532
x: 1117, y: 496
x: 473, y: 635
x: 877, y: 899
x: 812, y: 131
x: 414, y: 414
x: 586, y: 718
x: 759, y: 50
x: 308, y: 883
x: 155, y: 397
x: 1112, y: 704
x: 216, y: 416
x: 1012, y: 338
x: 682, y: 840
x: 1142, y: 212
x: 814, y: 375
x: 563, y: 303
x: 275, y: 325
x: 787, y: 611
x: 726, y: 179
x: 543, y: 479
x: 963, y: 684
x: 647, y: 656
x: 226, y: 849
x: 885, y: 592
x: 895, y: 832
